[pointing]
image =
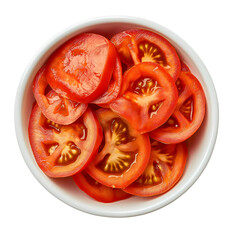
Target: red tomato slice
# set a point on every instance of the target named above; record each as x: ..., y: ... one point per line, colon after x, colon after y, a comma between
x: 184, y: 67
x: 189, y: 112
x: 54, y: 107
x: 138, y: 45
x: 121, y: 158
x: 61, y: 150
x: 148, y: 97
x: 82, y: 67
x: 164, y: 170
x: 114, y: 86
x: 98, y: 191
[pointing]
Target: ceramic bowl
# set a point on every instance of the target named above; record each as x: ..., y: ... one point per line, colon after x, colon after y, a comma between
x: 200, y: 145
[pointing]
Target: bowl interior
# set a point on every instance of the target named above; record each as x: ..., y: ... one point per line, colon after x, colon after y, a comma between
x: 200, y: 145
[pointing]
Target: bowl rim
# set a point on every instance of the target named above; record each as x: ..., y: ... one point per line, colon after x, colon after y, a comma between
x: 70, y: 30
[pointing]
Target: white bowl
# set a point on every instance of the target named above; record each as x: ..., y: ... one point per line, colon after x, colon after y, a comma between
x: 200, y: 145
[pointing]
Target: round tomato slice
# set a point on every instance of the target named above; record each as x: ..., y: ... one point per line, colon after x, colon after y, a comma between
x: 82, y: 67
x: 139, y: 45
x: 56, y: 108
x: 63, y: 150
x: 123, y: 154
x: 114, y: 86
x: 188, y: 114
x: 184, y: 67
x: 164, y: 170
x: 148, y: 97
x: 98, y: 191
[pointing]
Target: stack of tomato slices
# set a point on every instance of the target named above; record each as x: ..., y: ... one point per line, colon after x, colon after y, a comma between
x: 115, y: 114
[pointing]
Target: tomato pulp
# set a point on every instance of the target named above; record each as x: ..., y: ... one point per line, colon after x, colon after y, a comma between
x: 165, y: 168
x: 188, y: 114
x: 82, y: 67
x: 61, y: 150
x: 98, y: 191
x: 148, y: 97
x: 54, y: 107
x: 121, y: 157
x: 139, y: 45
x: 114, y: 86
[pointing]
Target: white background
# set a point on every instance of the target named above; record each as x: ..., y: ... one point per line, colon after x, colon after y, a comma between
x: 209, y: 209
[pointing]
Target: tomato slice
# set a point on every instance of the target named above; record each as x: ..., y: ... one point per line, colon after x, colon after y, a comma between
x: 82, y: 67
x: 61, y: 150
x: 139, y: 45
x: 148, y: 97
x: 98, y: 191
x: 164, y: 170
x: 121, y: 158
x: 114, y: 86
x: 184, y: 67
x: 56, y: 108
x: 188, y: 114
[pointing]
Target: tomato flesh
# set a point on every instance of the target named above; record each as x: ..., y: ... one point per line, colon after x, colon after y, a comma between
x: 139, y: 45
x: 82, y: 67
x: 54, y: 107
x: 188, y: 114
x: 148, y: 97
x: 164, y: 170
x: 98, y: 191
x: 61, y: 150
x: 184, y: 67
x: 114, y: 86
x: 121, y: 157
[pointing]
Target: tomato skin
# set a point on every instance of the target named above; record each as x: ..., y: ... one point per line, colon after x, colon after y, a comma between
x: 128, y: 46
x: 169, y: 175
x: 57, y: 137
x: 131, y: 152
x: 114, y: 86
x: 135, y: 107
x: 54, y: 107
x: 98, y: 191
x: 171, y: 134
x: 82, y: 67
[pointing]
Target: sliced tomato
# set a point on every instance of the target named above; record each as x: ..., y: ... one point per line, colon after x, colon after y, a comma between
x: 61, y: 150
x: 54, y: 107
x: 114, y: 86
x: 82, y: 67
x: 98, y: 191
x: 164, y: 170
x: 139, y: 45
x: 188, y: 114
x: 121, y: 158
x: 184, y: 67
x: 148, y: 97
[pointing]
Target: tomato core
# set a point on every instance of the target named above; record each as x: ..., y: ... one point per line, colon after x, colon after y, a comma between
x: 150, y: 52
x: 118, y: 161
